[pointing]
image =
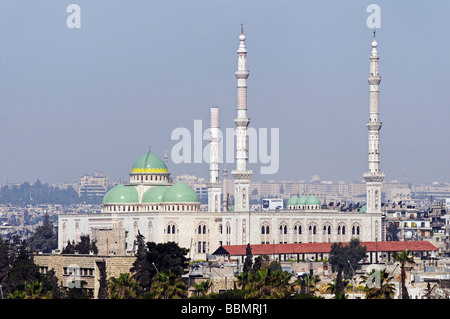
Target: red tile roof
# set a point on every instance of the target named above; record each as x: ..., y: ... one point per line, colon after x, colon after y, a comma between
x: 318, y: 248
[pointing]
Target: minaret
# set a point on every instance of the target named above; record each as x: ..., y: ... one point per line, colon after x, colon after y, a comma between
x: 214, y: 187
x: 241, y: 175
x: 374, y: 178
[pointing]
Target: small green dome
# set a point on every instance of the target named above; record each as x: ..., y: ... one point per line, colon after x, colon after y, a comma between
x: 302, y: 200
x: 180, y: 192
x: 121, y: 194
x: 312, y: 200
x: 149, y: 163
x: 363, y: 209
x: 293, y: 200
x: 154, y: 194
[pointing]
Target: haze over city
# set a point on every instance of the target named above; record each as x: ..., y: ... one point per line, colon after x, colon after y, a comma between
x: 97, y: 97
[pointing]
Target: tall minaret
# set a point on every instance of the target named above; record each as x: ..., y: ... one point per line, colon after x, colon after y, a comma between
x: 241, y: 175
x: 214, y: 187
x: 374, y: 178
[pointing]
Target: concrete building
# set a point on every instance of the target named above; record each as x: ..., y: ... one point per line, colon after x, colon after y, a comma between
x: 93, y: 185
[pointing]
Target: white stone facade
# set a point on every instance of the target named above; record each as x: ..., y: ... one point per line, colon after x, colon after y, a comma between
x: 204, y: 232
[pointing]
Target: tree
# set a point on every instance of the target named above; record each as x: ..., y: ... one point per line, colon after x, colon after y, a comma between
x: 124, y: 287
x: 332, y: 288
x: 344, y: 259
x: 403, y: 258
x: 44, y: 238
x: 152, y: 257
x: 392, y: 232
x: 23, y: 269
x: 261, y: 262
x: 265, y: 283
x: 307, y: 283
x: 168, y: 285
x: 103, y: 283
x: 4, y: 264
x: 248, y: 263
x: 378, y: 284
x: 142, y: 270
x: 33, y: 290
x: 50, y: 283
x: 203, y: 287
x: 78, y: 291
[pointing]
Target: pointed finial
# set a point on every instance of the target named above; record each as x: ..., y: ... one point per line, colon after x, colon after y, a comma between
x: 242, y: 28
x: 374, y: 33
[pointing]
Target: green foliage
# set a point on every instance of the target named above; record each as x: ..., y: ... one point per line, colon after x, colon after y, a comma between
x: 403, y: 258
x: 168, y: 285
x: 124, y: 287
x: 44, y: 238
x: 78, y: 291
x: 84, y: 246
x: 152, y: 258
x: 344, y: 259
x: 378, y: 284
x: 40, y: 193
x: 248, y: 263
x: 203, y: 287
x: 265, y: 284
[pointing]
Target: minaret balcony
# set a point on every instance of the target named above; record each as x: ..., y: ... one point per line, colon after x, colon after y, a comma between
x: 374, y: 79
x: 373, y: 177
x: 242, y: 74
x: 374, y: 126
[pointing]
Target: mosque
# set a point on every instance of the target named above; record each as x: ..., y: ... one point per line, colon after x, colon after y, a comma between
x: 162, y: 211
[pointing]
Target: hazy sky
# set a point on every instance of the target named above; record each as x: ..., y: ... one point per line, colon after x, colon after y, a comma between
x: 76, y: 101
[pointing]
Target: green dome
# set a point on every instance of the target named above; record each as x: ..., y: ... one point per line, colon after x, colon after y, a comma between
x: 302, y: 200
x: 180, y: 193
x: 312, y: 200
x: 121, y: 194
x: 363, y: 209
x: 149, y: 163
x: 154, y: 194
x: 293, y: 200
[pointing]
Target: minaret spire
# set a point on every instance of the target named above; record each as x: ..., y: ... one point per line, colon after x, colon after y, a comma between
x: 374, y: 177
x: 214, y: 187
x: 241, y: 175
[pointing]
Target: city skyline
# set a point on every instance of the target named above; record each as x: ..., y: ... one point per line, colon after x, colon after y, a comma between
x: 96, y: 98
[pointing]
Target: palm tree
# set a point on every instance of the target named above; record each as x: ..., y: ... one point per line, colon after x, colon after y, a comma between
x: 266, y: 283
x: 403, y: 258
x: 203, y: 287
x: 243, y: 279
x: 124, y: 287
x: 378, y: 284
x: 307, y: 283
x: 332, y: 288
x: 34, y: 290
x: 168, y: 285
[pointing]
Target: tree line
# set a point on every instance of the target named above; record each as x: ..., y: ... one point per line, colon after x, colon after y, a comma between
x: 42, y: 193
